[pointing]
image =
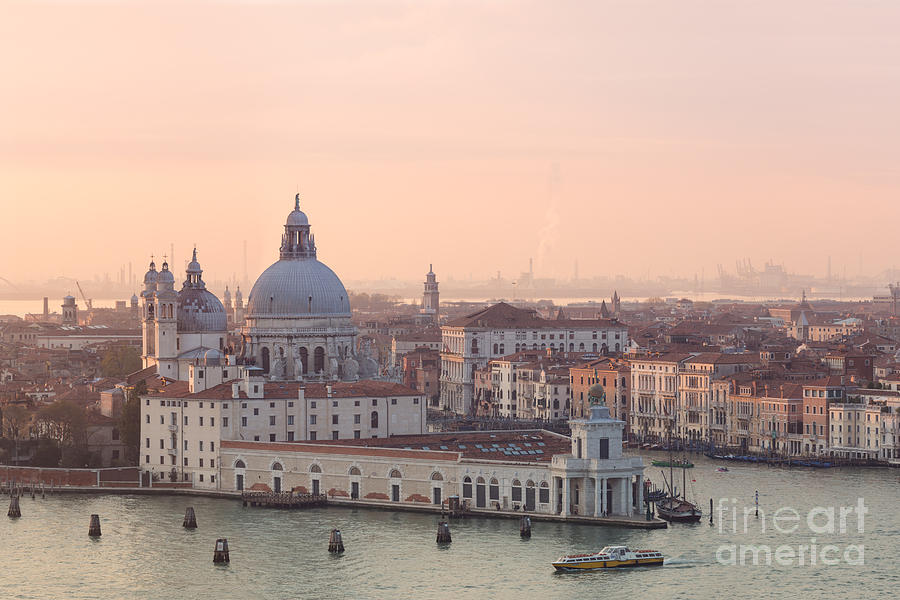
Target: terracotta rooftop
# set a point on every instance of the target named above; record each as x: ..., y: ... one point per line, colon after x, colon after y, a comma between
x: 534, y: 445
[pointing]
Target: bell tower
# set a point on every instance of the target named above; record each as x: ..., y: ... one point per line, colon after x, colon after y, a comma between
x: 148, y: 317
x: 166, y: 324
x: 431, y: 296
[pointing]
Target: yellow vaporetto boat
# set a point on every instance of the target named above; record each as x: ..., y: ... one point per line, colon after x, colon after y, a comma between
x: 610, y: 557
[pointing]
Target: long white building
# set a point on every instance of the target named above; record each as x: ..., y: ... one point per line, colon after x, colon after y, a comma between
x: 184, y: 423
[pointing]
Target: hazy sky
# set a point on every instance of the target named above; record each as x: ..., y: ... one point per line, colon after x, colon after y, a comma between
x: 682, y: 134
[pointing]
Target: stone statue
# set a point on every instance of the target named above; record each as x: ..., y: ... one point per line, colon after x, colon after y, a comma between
x: 298, y: 364
x: 277, y: 371
x: 350, y: 369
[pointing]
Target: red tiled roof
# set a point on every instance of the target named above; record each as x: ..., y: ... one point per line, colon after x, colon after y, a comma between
x: 503, y: 315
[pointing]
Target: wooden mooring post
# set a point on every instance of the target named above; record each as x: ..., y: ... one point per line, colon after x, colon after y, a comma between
x: 190, y: 520
x: 335, y: 543
x: 220, y: 555
x: 525, y: 527
x: 14, y: 510
x: 443, y: 533
x: 94, y: 529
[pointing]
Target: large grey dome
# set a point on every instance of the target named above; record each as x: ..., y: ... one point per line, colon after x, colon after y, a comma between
x: 199, y: 311
x: 297, y: 288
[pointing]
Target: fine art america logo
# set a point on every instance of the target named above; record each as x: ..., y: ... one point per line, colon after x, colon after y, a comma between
x: 821, y: 520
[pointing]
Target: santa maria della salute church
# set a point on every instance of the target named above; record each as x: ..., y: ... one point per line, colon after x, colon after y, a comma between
x: 296, y: 325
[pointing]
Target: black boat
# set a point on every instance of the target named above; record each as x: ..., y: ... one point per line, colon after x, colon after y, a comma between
x: 675, y: 508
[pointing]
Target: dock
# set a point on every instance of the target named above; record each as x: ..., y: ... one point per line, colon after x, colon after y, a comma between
x: 283, y: 499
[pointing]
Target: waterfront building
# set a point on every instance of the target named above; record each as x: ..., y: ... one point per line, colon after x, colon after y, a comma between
x: 535, y: 470
x: 469, y: 342
x: 184, y: 423
x: 654, y: 395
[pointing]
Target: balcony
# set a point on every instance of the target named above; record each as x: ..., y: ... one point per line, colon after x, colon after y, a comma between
x: 172, y: 451
x: 173, y: 428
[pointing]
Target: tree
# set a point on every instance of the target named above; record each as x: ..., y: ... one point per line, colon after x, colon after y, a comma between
x: 64, y: 422
x: 119, y: 361
x: 15, y: 419
x: 130, y: 423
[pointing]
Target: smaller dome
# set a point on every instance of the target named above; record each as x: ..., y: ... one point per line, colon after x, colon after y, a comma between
x: 68, y: 299
x: 297, y: 217
x: 165, y: 276
x: 151, y: 275
x: 194, y: 265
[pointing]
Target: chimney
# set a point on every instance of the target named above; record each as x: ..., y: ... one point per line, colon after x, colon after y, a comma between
x: 328, y: 390
x: 301, y: 394
x: 235, y: 390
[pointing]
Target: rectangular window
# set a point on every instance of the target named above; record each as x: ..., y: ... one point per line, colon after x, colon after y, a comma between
x: 255, y: 438
x: 185, y: 461
x: 312, y: 435
x: 201, y: 474
x: 374, y: 401
x: 162, y: 444
x: 224, y: 421
x: 201, y: 445
x: 312, y: 404
x: 162, y: 419
x: 334, y: 403
x: 334, y: 435
x: 356, y: 419
x: 290, y: 419
x: 356, y: 403
x: 147, y: 458
x: 212, y: 421
x: 544, y: 497
x: 243, y: 421
x: 255, y: 412
x: 290, y: 436
x: 201, y: 421
x: 185, y: 444
x: 271, y: 420
x: 271, y: 437
x: 356, y: 434
x: 148, y: 442
x: 185, y: 420
x: 201, y: 464
x: 393, y: 401
x: 290, y: 405
x: 212, y: 446
x: 212, y: 478
x: 604, y: 448
x: 334, y: 419
x: 271, y: 405
x: 148, y: 420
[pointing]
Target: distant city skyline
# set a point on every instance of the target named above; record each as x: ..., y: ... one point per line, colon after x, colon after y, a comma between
x: 440, y: 133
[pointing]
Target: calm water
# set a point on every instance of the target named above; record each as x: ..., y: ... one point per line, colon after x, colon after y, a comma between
x: 145, y: 553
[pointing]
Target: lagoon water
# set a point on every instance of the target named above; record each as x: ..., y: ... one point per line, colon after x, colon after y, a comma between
x: 145, y: 553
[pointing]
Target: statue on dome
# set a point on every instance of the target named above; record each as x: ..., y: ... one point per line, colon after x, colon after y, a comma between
x: 277, y: 370
x: 597, y: 395
x: 298, y: 364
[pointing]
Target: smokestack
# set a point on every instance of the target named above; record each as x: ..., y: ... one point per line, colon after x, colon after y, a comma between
x: 46, y: 307
x: 245, y: 265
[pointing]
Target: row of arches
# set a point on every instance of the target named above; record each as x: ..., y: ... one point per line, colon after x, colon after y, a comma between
x: 318, y: 359
x: 483, y: 491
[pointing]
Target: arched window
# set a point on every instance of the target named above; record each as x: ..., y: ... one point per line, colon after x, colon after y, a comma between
x: 617, y: 347
x: 480, y: 481
x: 516, y: 490
x: 545, y: 493
x: 315, y: 469
x: 265, y: 360
x: 395, y: 474
x: 319, y: 359
x: 239, y: 464
x: 496, y: 349
x: 571, y: 347
x: 437, y: 476
x: 277, y: 467
x: 374, y: 419
x: 594, y: 347
x: 355, y: 471
x: 494, y: 489
x: 467, y: 487
x: 304, y: 358
x: 581, y: 347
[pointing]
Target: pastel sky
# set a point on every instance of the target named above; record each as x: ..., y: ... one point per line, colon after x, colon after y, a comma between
x: 639, y: 138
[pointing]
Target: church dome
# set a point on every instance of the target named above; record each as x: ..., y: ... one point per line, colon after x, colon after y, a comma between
x: 298, y: 285
x: 296, y: 288
x: 198, y: 309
